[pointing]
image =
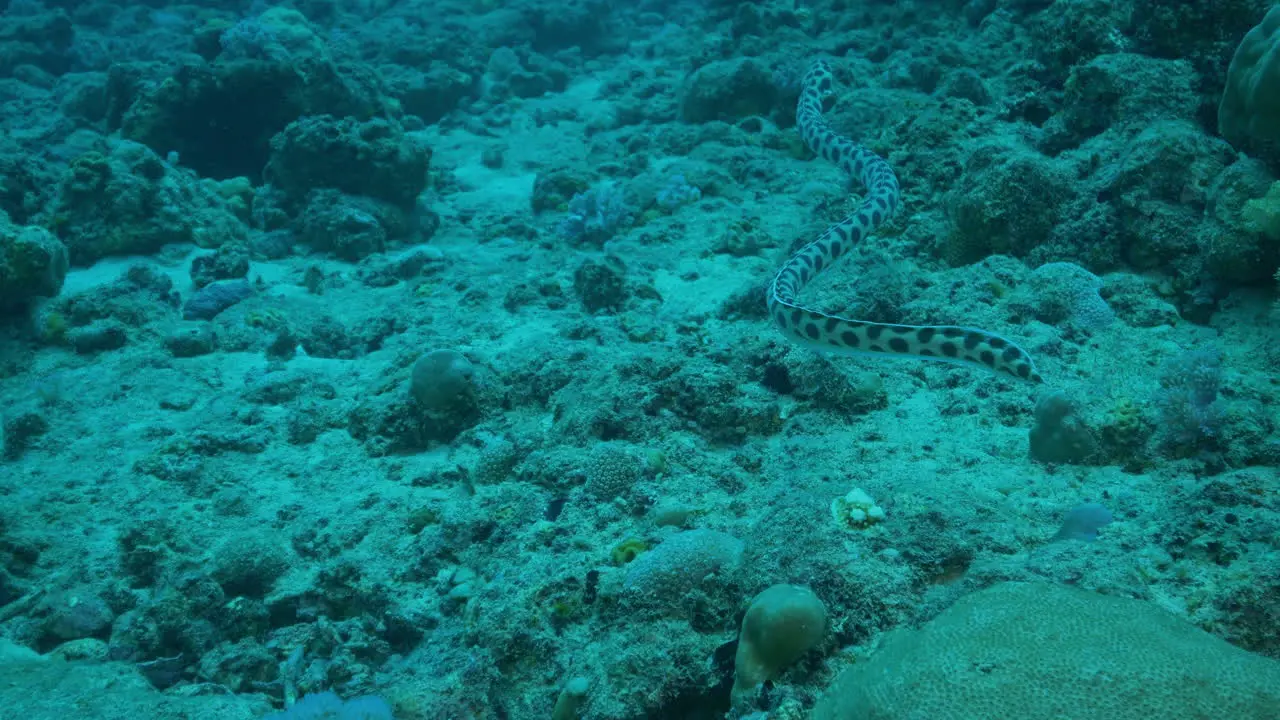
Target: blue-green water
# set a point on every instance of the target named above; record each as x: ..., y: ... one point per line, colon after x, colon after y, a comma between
x: 605, y: 360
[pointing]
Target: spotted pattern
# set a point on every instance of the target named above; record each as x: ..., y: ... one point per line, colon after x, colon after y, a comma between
x: 832, y: 333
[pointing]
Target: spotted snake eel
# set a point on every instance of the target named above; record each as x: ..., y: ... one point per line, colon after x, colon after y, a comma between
x: 831, y: 333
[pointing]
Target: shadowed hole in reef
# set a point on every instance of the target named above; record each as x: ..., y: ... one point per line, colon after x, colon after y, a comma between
x: 696, y: 703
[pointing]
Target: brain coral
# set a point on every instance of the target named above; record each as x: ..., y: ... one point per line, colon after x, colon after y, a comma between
x: 1033, y: 650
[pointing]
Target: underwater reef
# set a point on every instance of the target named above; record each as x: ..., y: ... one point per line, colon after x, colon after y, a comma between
x: 650, y: 360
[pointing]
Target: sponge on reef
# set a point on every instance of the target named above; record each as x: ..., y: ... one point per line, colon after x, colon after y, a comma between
x: 782, y: 623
